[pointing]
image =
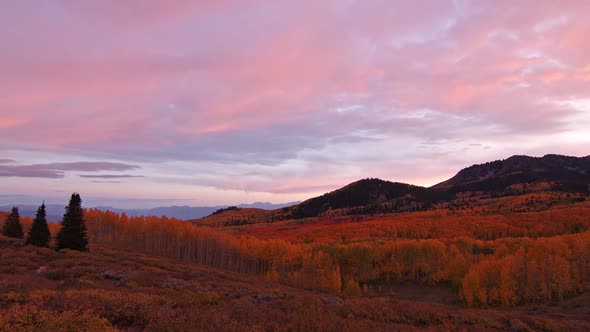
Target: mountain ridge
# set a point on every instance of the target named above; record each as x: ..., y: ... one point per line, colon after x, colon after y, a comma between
x: 515, y: 175
x: 551, y: 166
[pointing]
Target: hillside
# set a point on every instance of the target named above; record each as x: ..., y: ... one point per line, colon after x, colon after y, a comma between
x: 366, y: 254
x: 235, y: 217
x: 561, y: 173
x: 439, y: 269
x: 363, y: 196
x: 109, y: 289
x: 530, y: 215
x: 516, y: 175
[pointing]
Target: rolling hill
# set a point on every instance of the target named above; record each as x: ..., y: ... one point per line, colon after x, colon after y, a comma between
x: 366, y: 196
x: 561, y: 173
x: 235, y: 217
x: 516, y: 175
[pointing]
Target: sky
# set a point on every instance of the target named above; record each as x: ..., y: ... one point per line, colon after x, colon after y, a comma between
x: 144, y: 103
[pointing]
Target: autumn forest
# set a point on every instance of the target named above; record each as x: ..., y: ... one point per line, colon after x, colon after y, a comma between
x: 493, y: 255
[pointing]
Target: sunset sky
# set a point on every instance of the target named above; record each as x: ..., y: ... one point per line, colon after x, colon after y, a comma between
x: 144, y: 103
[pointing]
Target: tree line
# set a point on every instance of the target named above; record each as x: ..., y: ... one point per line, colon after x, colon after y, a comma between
x: 502, y: 272
x: 72, y: 234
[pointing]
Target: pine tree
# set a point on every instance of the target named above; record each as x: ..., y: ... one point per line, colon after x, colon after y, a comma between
x: 39, y: 234
x: 12, y: 226
x: 72, y: 234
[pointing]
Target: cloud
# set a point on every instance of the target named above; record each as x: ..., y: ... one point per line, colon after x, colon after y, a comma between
x: 7, y: 161
x: 356, y: 89
x: 110, y: 176
x: 57, y: 170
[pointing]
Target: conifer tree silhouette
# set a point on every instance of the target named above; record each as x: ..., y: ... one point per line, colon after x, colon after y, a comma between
x: 72, y: 234
x: 39, y: 234
x: 12, y: 226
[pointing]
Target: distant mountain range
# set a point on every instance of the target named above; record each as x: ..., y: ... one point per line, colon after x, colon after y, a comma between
x: 55, y: 211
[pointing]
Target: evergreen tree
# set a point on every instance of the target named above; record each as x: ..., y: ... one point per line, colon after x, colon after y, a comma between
x: 72, y: 234
x: 12, y: 226
x: 39, y: 234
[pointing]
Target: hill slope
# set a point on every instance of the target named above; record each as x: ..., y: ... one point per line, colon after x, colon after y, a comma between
x: 365, y: 196
x: 235, y: 217
x: 513, y: 176
x: 561, y: 173
x: 110, y: 289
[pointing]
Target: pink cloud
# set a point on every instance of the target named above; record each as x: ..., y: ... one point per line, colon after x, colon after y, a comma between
x: 266, y: 83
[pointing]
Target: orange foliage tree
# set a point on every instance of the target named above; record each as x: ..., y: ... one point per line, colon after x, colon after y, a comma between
x: 502, y: 272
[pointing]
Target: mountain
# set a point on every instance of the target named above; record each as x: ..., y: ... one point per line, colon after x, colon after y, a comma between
x: 363, y: 196
x: 561, y: 173
x: 512, y: 176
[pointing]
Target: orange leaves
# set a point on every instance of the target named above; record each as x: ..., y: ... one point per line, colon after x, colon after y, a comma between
x: 437, y: 224
x: 539, y: 271
x: 503, y: 272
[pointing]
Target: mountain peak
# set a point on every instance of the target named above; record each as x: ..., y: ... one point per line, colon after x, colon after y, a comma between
x: 551, y: 167
x: 495, y: 178
x: 512, y: 176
